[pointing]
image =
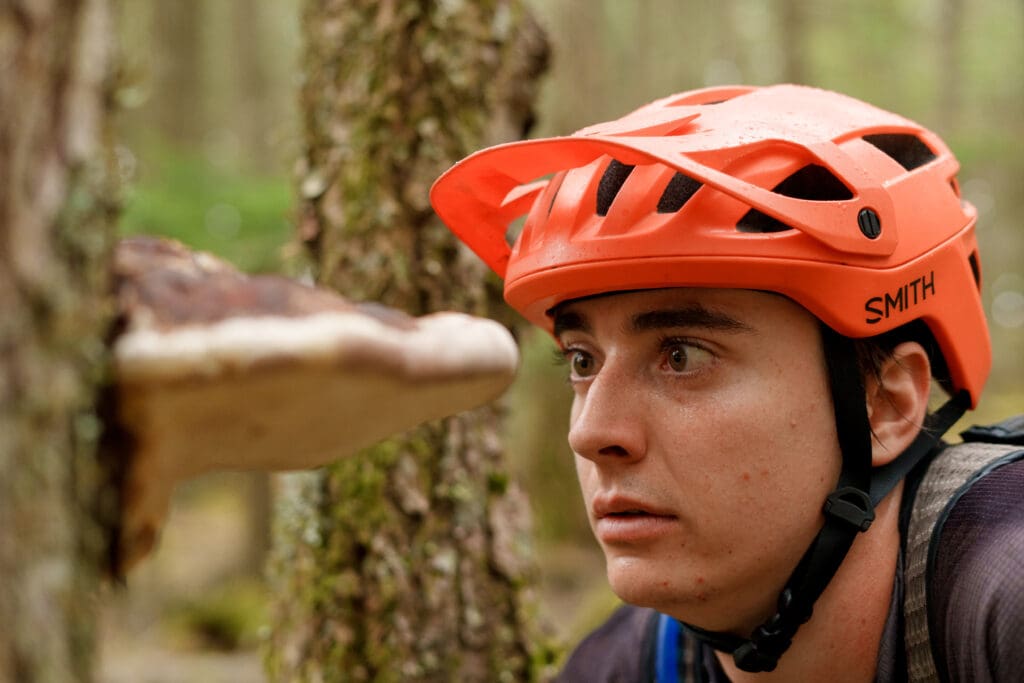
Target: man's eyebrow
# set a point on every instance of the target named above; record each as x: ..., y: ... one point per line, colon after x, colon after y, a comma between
x: 568, y: 321
x: 695, y: 316
x: 689, y: 316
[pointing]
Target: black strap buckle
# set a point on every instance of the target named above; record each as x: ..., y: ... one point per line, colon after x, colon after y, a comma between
x: 772, y: 638
x: 748, y: 658
x: 852, y: 506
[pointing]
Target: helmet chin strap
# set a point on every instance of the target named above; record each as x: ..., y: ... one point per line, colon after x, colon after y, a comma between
x: 849, y: 509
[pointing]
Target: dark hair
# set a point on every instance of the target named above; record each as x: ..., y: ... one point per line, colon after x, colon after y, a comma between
x: 873, y: 352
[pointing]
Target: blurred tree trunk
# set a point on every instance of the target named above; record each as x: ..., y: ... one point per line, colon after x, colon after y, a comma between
x: 583, y: 34
x: 793, y: 32
x: 728, y: 40
x: 253, y: 83
x: 408, y: 562
x: 252, y: 116
x: 950, y: 74
x: 56, y: 218
x: 177, y: 103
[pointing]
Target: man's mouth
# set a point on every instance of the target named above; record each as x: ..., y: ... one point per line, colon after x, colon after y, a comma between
x: 617, y: 506
x: 620, y: 521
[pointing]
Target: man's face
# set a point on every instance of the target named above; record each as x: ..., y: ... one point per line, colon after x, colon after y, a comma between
x: 705, y: 444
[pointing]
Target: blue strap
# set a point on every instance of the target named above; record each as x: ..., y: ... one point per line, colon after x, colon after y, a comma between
x: 666, y: 662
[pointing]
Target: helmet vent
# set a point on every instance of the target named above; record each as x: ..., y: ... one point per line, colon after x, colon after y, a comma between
x: 708, y: 96
x: 955, y: 185
x: 815, y: 183
x: 755, y: 221
x: 677, y: 192
x: 611, y: 182
x: 907, y: 150
x: 555, y: 184
x: 812, y: 182
x: 975, y: 268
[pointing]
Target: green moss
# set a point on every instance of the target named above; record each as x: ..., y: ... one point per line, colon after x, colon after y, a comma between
x: 497, y: 482
x: 228, y: 617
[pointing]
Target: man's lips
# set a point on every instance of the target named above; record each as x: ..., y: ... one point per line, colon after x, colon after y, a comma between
x: 624, y: 506
x: 622, y: 520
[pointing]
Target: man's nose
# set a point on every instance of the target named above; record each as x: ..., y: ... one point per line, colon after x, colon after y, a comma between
x: 608, y: 420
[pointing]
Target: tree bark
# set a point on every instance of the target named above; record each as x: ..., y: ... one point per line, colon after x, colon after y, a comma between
x: 408, y: 562
x: 56, y: 218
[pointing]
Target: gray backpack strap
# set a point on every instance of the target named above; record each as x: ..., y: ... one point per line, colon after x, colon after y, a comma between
x: 948, y: 476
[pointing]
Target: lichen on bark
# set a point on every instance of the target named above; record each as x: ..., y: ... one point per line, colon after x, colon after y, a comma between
x: 411, y: 560
x: 57, y: 208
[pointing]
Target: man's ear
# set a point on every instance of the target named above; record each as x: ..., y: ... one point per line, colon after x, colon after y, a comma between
x: 897, y: 401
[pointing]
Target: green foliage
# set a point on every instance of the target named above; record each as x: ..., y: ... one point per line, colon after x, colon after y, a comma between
x: 241, y: 217
x: 228, y: 617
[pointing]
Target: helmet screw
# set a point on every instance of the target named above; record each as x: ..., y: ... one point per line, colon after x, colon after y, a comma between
x: 869, y: 223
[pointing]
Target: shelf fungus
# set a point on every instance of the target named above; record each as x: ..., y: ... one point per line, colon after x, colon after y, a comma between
x: 217, y: 370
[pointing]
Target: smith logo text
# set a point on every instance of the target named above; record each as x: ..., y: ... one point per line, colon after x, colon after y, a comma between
x: 914, y: 292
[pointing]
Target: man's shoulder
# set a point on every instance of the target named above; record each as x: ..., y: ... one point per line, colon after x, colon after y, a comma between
x: 620, y: 649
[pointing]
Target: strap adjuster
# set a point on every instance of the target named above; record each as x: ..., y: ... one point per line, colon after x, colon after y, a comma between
x: 852, y: 506
x: 749, y: 658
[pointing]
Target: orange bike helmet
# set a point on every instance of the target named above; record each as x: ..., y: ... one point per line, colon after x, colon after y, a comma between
x: 849, y: 210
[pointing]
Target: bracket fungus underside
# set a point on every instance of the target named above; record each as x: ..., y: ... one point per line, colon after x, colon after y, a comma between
x: 218, y: 370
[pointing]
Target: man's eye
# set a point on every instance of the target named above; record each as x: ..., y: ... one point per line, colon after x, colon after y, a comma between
x: 582, y: 363
x: 677, y: 358
x: 680, y: 357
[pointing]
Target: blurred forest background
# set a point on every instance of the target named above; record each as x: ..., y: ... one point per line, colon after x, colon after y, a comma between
x: 209, y: 132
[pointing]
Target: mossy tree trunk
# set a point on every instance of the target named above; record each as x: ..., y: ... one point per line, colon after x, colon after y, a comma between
x: 410, y: 561
x: 56, y: 221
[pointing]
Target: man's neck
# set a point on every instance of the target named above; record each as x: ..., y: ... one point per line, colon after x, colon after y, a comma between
x: 841, y: 641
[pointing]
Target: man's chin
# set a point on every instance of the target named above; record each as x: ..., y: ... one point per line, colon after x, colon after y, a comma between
x: 641, y: 582
x: 648, y: 583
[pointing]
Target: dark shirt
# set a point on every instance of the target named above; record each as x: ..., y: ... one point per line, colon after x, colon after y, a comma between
x: 976, y: 613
